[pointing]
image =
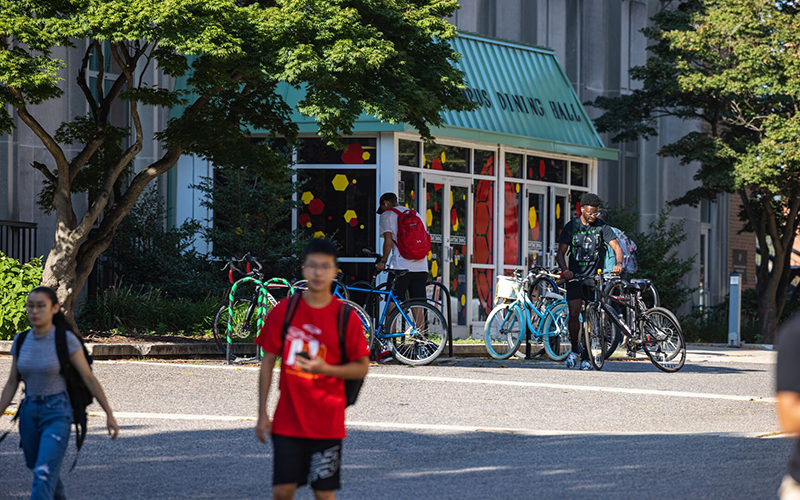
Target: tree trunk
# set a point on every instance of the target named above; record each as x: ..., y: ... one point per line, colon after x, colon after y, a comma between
x: 768, y: 321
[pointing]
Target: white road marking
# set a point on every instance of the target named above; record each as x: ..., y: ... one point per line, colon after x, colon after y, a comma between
x: 355, y: 424
x: 512, y: 383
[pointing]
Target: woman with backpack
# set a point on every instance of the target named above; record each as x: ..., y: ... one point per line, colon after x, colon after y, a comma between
x: 46, y: 414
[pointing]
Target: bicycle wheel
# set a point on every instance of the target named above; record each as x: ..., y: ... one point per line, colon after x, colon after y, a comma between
x: 366, y: 321
x: 242, y: 330
x: 539, y: 289
x: 503, y: 330
x: 555, y: 331
x: 417, y: 332
x: 594, y: 339
x: 650, y: 297
x: 663, y: 340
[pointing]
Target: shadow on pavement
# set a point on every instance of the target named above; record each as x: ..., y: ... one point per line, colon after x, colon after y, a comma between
x: 226, y: 462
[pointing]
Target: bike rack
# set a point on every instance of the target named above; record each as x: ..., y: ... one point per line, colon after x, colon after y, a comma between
x: 439, y: 284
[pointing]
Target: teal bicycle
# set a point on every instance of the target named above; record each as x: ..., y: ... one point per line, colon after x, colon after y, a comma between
x: 533, y: 303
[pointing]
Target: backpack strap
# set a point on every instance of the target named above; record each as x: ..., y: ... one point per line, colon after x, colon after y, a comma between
x: 345, y: 312
x: 291, y: 309
x: 20, y: 340
x: 61, y: 348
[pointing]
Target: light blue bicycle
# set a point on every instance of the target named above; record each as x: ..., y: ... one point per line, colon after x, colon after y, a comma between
x: 533, y: 303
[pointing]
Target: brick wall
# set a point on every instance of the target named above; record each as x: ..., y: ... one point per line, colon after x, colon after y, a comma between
x: 741, y: 247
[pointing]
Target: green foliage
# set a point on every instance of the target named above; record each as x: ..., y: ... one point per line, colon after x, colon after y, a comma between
x: 146, y: 254
x: 129, y: 309
x: 391, y: 59
x: 253, y: 214
x: 657, y: 254
x: 732, y: 68
x: 16, y: 281
x: 711, y: 324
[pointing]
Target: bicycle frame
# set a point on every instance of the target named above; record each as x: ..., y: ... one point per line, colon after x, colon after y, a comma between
x: 394, y: 300
x: 524, y: 302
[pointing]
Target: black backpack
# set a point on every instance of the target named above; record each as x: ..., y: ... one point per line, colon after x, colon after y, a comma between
x: 351, y: 387
x: 80, y: 396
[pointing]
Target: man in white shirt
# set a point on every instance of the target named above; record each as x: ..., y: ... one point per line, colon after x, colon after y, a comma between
x: 415, y: 279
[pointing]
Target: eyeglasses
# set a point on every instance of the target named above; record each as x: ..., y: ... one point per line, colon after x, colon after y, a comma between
x: 319, y: 267
x: 589, y: 214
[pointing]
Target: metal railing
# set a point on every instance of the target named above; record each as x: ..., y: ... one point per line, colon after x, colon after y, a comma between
x: 18, y: 240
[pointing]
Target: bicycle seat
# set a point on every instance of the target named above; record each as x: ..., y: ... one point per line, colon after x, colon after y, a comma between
x: 640, y: 284
x: 397, y: 272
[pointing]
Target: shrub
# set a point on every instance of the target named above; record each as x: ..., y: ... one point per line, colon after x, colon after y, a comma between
x: 16, y: 281
x: 146, y: 254
x: 657, y: 255
x: 140, y: 310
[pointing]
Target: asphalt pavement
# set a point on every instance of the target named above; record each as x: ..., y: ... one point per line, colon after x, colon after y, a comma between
x: 458, y: 429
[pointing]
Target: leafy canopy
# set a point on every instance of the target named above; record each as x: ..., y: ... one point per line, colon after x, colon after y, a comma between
x: 390, y: 59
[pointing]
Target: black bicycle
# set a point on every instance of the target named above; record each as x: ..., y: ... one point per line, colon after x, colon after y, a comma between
x: 654, y: 330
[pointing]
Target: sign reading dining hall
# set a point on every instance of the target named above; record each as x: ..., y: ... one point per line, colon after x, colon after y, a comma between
x: 522, y: 104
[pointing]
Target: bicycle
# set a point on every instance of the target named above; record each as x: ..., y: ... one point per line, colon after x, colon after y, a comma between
x: 415, y: 330
x: 651, y: 299
x: 236, y: 317
x: 507, y: 322
x: 654, y: 330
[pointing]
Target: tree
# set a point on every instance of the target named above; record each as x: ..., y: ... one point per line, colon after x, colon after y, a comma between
x: 731, y: 67
x: 391, y: 59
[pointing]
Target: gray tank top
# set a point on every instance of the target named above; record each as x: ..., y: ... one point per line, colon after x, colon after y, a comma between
x: 38, y: 362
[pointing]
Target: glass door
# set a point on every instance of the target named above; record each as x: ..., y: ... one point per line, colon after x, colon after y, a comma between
x: 558, y: 216
x: 447, y: 209
x: 537, y: 226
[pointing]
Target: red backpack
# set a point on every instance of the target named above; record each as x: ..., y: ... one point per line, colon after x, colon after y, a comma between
x: 413, y: 240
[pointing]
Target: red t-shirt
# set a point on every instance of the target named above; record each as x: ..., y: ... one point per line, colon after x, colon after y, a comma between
x: 311, y: 406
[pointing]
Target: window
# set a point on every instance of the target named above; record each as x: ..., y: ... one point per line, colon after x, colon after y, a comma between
x: 513, y: 165
x: 446, y: 158
x: 408, y: 153
x: 408, y: 190
x: 358, y: 151
x: 483, y: 162
x: 339, y: 204
x: 547, y: 170
x: 579, y: 174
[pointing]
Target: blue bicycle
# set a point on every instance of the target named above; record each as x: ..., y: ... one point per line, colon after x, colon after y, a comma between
x: 533, y: 303
x: 415, y: 330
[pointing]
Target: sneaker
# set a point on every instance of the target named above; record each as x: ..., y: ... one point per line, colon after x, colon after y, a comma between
x: 586, y: 365
x: 385, y: 357
x: 572, y: 361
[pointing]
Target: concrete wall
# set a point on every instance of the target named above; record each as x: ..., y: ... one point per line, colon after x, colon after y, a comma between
x: 597, y: 41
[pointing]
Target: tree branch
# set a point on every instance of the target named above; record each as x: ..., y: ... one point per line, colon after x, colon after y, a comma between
x: 84, y: 85
x: 41, y: 167
x: 105, y: 191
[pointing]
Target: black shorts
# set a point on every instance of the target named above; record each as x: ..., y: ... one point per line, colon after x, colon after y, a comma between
x: 580, y: 290
x: 413, y: 282
x: 307, y: 461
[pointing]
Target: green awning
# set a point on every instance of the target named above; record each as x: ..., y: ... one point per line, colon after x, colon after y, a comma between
x: 525, y: 98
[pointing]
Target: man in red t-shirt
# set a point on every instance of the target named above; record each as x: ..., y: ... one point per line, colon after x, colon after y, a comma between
x: 308, y: 426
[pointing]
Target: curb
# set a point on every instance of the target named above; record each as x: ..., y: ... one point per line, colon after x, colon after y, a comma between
x: 207, y: 349
x: 166, y: 350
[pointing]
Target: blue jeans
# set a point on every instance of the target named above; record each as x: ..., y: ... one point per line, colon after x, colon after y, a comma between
x: 44, y: 428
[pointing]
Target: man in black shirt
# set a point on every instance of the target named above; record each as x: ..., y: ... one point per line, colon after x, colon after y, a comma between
x: 585, y: 238
x: 788, y: 388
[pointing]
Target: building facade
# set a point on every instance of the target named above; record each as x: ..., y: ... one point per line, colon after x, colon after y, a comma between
x: 597, y: 42
x: 495, y: 188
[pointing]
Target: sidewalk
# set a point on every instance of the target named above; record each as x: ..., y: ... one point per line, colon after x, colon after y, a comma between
x: 696, y: 353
